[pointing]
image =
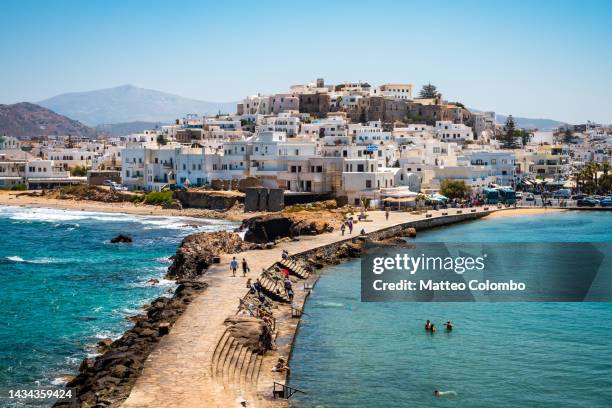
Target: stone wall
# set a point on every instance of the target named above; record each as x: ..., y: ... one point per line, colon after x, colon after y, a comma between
x: 264, y: 199
x: 207, y: 200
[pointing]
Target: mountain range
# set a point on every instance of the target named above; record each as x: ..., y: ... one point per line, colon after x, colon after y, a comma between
x: 25, y: 120
x: 128, y: 103
x: 128, y: 109
x: 530, y: 123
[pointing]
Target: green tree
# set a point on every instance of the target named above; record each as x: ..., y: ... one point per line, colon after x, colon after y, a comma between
x: 161, y: 140
x: 454, y: 189
x: 523, y: 135
x: 428, y: 91
x: 78, y: 171
x: 509, y: 137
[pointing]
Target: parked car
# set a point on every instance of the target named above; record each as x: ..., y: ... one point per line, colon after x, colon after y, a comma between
x: 518, y: 195
x: 529, y: 197
x: 578, y: 196
x: 587, y: 202
x: 117, y: 187
x: 606, y: 202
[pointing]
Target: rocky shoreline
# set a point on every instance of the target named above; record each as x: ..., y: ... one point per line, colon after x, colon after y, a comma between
x: 107, y: 380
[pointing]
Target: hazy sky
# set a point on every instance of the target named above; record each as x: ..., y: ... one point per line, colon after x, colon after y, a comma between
x: 550, y: 59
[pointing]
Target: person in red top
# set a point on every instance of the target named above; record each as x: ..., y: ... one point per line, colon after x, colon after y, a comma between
x: 285, y: 272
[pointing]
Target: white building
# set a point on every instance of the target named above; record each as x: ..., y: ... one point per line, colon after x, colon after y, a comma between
x: 453, y: 132
x: 395, y: 91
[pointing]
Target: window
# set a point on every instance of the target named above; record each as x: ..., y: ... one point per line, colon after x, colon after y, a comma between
x: 368, y: 183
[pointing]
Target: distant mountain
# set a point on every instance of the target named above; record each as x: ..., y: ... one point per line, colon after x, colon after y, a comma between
x: 128, y: 103
x: 25, y: 120
x: 122, y: 129
x: 529, y: 123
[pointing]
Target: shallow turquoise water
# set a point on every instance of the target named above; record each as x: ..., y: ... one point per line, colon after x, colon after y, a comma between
x: 353, y: 354
x: 64, y: 286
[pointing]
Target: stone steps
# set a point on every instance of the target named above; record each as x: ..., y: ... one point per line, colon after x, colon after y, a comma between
x: 273, y: 289
x: 234, y: 364
x: 220, y: 350
x: 294, y: 268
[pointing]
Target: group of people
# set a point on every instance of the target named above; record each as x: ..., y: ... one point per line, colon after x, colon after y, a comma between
x: 430, y: 327
x: 234, y: 267
x: 347, y: 224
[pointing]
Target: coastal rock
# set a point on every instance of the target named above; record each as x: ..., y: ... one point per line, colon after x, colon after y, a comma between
x: 108, y: 380
x: 251, y: 332
x: 266, y: 228
x: 197, y: 252
x: 121, y: 239
x: 409, y: 232
x: 104, y: 344
x: 271, y: 227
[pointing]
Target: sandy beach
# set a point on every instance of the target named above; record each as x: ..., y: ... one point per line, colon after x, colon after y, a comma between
x: 516, y: 212
x: 13, y: 198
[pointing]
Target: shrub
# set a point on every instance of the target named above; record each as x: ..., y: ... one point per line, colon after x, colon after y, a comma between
x: 19, y: 187
x: 159, y: 198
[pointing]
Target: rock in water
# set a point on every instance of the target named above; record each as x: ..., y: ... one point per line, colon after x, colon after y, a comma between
x: 121, y: 239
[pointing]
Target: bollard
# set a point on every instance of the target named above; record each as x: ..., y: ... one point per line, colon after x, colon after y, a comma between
x: 163, y: 329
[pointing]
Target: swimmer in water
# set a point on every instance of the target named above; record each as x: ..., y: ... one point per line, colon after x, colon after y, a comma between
x: 428, y: 325
x: 438, y: 393
x: 449, y: 326
x: 433, y: 328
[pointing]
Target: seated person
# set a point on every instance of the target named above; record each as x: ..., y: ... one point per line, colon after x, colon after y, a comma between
x: 280, y: 366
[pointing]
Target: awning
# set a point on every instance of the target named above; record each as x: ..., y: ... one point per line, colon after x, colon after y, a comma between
x: 400, y: 200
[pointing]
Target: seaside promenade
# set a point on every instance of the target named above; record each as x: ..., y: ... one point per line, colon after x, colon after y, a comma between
x: 178, y: 373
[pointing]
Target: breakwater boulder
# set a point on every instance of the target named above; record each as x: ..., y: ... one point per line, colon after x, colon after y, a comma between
x: 198, y: 251
x: 108, y: 379
x: 251, y: 332
x: 334, y: 254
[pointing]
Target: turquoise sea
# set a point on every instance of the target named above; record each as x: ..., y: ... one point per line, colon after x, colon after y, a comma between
x: 63, y: 286
x: 353, y: 354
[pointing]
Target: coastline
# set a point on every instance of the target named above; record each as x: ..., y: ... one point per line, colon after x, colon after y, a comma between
x: 323, y: 250
x: 11, y: 198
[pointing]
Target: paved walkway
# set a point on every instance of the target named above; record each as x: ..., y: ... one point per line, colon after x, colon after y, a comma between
x: 178, y: 372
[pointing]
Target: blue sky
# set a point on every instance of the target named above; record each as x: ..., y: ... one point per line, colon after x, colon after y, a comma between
x: 549, y: 59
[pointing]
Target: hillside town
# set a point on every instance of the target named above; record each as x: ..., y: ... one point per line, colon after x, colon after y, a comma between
x: 351, y: 141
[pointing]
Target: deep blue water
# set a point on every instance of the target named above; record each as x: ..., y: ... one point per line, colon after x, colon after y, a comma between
x: 64, y: 286
x: 353, y: 354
